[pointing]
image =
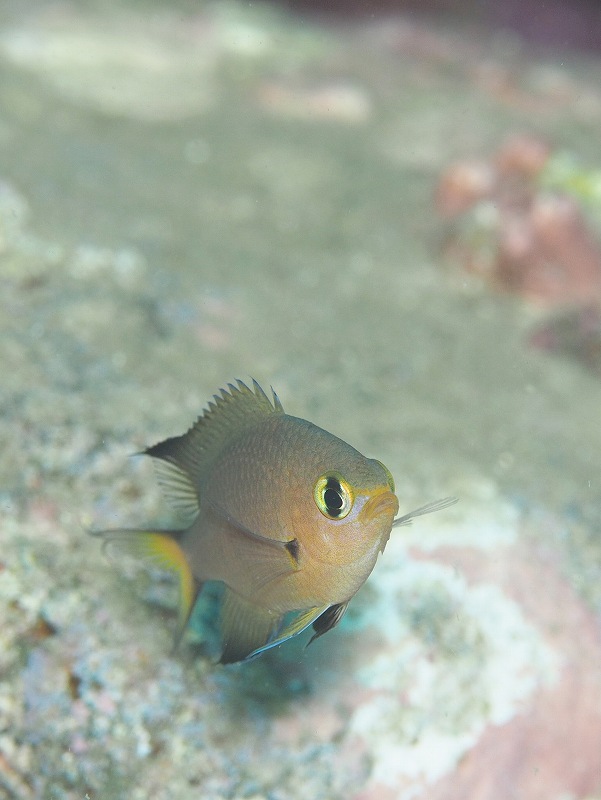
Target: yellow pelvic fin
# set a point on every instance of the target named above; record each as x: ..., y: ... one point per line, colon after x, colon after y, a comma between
x: 161, y: 550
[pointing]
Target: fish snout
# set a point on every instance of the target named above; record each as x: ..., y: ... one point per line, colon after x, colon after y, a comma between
x: 383, y: 504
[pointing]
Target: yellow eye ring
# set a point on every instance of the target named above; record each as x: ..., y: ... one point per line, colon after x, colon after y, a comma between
x: 333, y: 496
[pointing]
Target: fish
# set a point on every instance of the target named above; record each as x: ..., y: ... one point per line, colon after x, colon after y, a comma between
x: 289, y: 519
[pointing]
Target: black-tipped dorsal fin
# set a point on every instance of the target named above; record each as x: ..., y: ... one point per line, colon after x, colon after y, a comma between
x: 191, y: 455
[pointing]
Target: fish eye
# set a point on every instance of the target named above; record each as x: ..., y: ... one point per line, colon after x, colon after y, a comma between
x: 333, y: 496
x: 389, y: 477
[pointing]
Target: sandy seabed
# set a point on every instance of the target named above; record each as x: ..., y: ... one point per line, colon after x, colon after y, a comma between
x: 187, y: 198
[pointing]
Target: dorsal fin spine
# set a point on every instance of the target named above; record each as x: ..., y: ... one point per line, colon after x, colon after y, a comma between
x: 229, y: 413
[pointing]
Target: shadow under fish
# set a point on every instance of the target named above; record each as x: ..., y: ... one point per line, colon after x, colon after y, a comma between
x: 288, y: 518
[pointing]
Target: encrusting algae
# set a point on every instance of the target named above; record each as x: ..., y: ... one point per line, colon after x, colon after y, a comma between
x: 287, y: 516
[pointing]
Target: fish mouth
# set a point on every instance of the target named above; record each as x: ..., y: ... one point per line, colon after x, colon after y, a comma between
x: 384, y: 503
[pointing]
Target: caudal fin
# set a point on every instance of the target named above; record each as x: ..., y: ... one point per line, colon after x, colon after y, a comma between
x: 158, y: 549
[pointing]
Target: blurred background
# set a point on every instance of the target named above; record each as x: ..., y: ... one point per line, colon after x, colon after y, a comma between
x: 391, y: 212
x: 554, y: 23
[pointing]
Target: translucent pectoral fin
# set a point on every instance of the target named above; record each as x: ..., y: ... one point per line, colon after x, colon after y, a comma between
x: 243, y: 559
x: 436, y: 505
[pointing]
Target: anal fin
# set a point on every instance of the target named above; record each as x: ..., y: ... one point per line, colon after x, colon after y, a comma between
x: 245, y: 627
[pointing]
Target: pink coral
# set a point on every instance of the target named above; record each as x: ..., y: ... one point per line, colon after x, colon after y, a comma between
x: 539, y: 244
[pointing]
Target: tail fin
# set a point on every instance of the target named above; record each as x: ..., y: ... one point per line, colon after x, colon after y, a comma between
x: 157, y: 549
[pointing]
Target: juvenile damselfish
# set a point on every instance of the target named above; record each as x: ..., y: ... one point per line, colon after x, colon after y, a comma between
x: 287, y: 516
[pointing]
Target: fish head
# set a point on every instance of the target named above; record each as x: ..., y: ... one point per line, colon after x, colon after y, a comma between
x: 347, y: 509
x: 355, y: 518
x: 288, y: 480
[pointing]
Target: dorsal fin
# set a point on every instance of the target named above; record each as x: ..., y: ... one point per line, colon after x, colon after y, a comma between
x: 191, y: 455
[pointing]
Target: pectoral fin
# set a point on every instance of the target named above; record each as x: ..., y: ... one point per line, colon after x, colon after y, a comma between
x: 242, y: 559
x: 436, y: 505
x: 245, y: 627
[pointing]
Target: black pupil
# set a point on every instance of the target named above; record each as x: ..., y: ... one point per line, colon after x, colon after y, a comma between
x: 332, y: 497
